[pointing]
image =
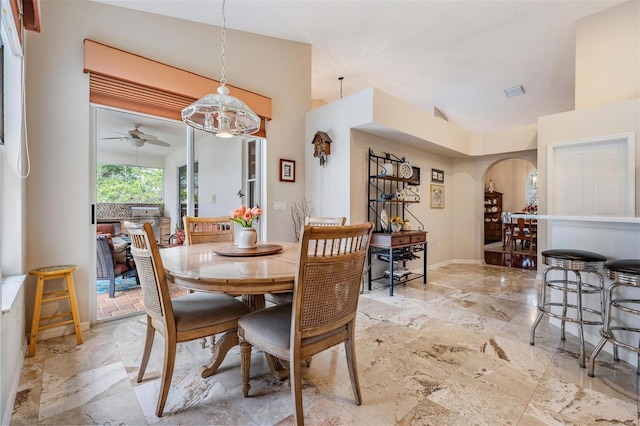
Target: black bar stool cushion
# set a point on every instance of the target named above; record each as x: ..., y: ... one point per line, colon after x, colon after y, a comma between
x: 576, y: 255
x: 626, y: 266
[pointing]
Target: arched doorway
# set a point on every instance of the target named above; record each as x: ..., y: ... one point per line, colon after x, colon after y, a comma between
x: 513, y: 183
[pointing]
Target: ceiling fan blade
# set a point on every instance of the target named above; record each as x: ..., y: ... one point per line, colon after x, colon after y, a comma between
x: 148, y: 137
x: 158, y: 142
x: 117, y: 137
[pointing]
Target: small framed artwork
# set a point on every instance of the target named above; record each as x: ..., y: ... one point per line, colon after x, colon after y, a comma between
x: 437, y: 176
x: 437, y: 196
x: 415, y: 177
x: 287, y: 170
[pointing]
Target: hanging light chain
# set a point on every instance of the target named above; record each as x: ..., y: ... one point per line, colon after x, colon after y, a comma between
x: 223, y: 80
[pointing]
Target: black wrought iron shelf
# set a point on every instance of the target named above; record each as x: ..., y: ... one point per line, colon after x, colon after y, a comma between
x: 395, y: 178
x: 384, y: 279
x: 390, y: 196
x: 392, y: 201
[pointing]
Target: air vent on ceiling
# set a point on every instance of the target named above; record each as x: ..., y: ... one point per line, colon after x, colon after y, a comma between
x: 514, y: 91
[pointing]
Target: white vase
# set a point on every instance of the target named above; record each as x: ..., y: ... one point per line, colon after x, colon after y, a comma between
x: 247, y: 238
x: 396, y: 227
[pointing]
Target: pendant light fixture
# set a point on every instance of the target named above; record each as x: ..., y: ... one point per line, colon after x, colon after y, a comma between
x: 221, y: 114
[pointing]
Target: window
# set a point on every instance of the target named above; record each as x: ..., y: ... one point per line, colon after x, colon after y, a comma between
x: 129, y: 184
x: 182, y: 190
x: 532, y: 189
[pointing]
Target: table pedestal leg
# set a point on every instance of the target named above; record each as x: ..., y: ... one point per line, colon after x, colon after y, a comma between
x: 221, y: 347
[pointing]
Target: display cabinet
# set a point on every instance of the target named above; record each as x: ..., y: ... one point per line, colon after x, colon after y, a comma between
x: 492, y: 217
x: 392, y: 190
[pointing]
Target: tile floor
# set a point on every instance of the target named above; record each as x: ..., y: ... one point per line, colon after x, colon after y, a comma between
x: 455, y: 352
x: 126, y: 302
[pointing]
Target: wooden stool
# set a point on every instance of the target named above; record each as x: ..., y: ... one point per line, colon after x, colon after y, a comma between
x: 49, y: 273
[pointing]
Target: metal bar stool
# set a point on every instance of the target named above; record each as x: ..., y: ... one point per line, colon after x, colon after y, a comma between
x: 49, y: 273
x: 574, y: 261
x: 625, y: 273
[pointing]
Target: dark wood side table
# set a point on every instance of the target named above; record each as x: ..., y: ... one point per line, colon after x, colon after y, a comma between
x: 398, y: 246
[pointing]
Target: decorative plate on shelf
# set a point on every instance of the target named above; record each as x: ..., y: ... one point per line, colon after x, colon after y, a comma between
x: 384, y: 220
x: 406, y: 171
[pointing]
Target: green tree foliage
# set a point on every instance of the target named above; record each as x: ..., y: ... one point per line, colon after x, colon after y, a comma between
x: 129, y: 184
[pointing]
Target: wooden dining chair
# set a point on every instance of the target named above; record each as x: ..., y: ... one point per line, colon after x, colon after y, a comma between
x: 208, y: 229
x: 324, y: 221
x: 331, y: 262
x: 525, y: 233
x: 189, y: 317
x: 282, y: 298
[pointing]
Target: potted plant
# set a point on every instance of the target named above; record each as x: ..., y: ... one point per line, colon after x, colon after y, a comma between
x: 244, y: 216
x: 396, y: 223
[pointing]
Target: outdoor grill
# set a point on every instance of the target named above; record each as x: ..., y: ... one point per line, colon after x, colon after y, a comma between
x: 147, y: 214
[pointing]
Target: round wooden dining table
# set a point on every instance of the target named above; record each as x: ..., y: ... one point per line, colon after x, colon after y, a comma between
x: 249, y: 273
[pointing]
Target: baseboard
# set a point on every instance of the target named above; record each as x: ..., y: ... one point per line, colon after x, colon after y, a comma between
x: 468, y: 261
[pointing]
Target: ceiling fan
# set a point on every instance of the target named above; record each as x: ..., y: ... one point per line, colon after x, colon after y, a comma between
x: 137, y: 138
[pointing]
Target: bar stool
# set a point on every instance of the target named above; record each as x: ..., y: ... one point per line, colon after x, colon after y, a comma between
x: 625, y: 273
x: 50, y: 273
x: 575, y: 261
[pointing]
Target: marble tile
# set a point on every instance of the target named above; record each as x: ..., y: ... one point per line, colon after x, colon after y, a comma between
x: 453, y: 352
x: 559, y: 401
x: 119, y: 408
x: 64, y: 392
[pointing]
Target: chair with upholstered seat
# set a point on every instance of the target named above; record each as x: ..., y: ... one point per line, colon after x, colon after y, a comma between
x: 208, y: 229
x: 113, y: 262
x: 282, y: 298
x: 331, y: 262
x: 189, y: 317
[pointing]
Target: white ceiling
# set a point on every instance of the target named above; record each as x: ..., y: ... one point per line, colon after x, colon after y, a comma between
x: 458, y: 56
x: 113, y: 123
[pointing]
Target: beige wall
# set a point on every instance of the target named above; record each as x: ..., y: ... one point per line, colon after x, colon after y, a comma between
x: 621, y: 117
x: 60, y: 188
x: 455, y: 233
x: 608, y: 56
x: 467, y: 234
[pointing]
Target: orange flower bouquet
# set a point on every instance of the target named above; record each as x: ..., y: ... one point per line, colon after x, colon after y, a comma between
x: 245, y: 216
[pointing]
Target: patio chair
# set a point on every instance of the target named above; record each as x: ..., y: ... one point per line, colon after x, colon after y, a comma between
x: 113, y: 262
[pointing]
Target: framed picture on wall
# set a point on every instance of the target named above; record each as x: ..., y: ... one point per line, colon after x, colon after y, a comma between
x: 287, y: 170
x: 437, y: 196
x: 415, y: 177
x: 437, y: 176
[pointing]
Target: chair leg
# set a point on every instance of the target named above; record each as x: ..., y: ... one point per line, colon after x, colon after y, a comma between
x: 167, y: 371
x: 350, y: 350
x: 295, y: 379
x: 245, y: 366
x: 148, y: 344
x: 112, y: 287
